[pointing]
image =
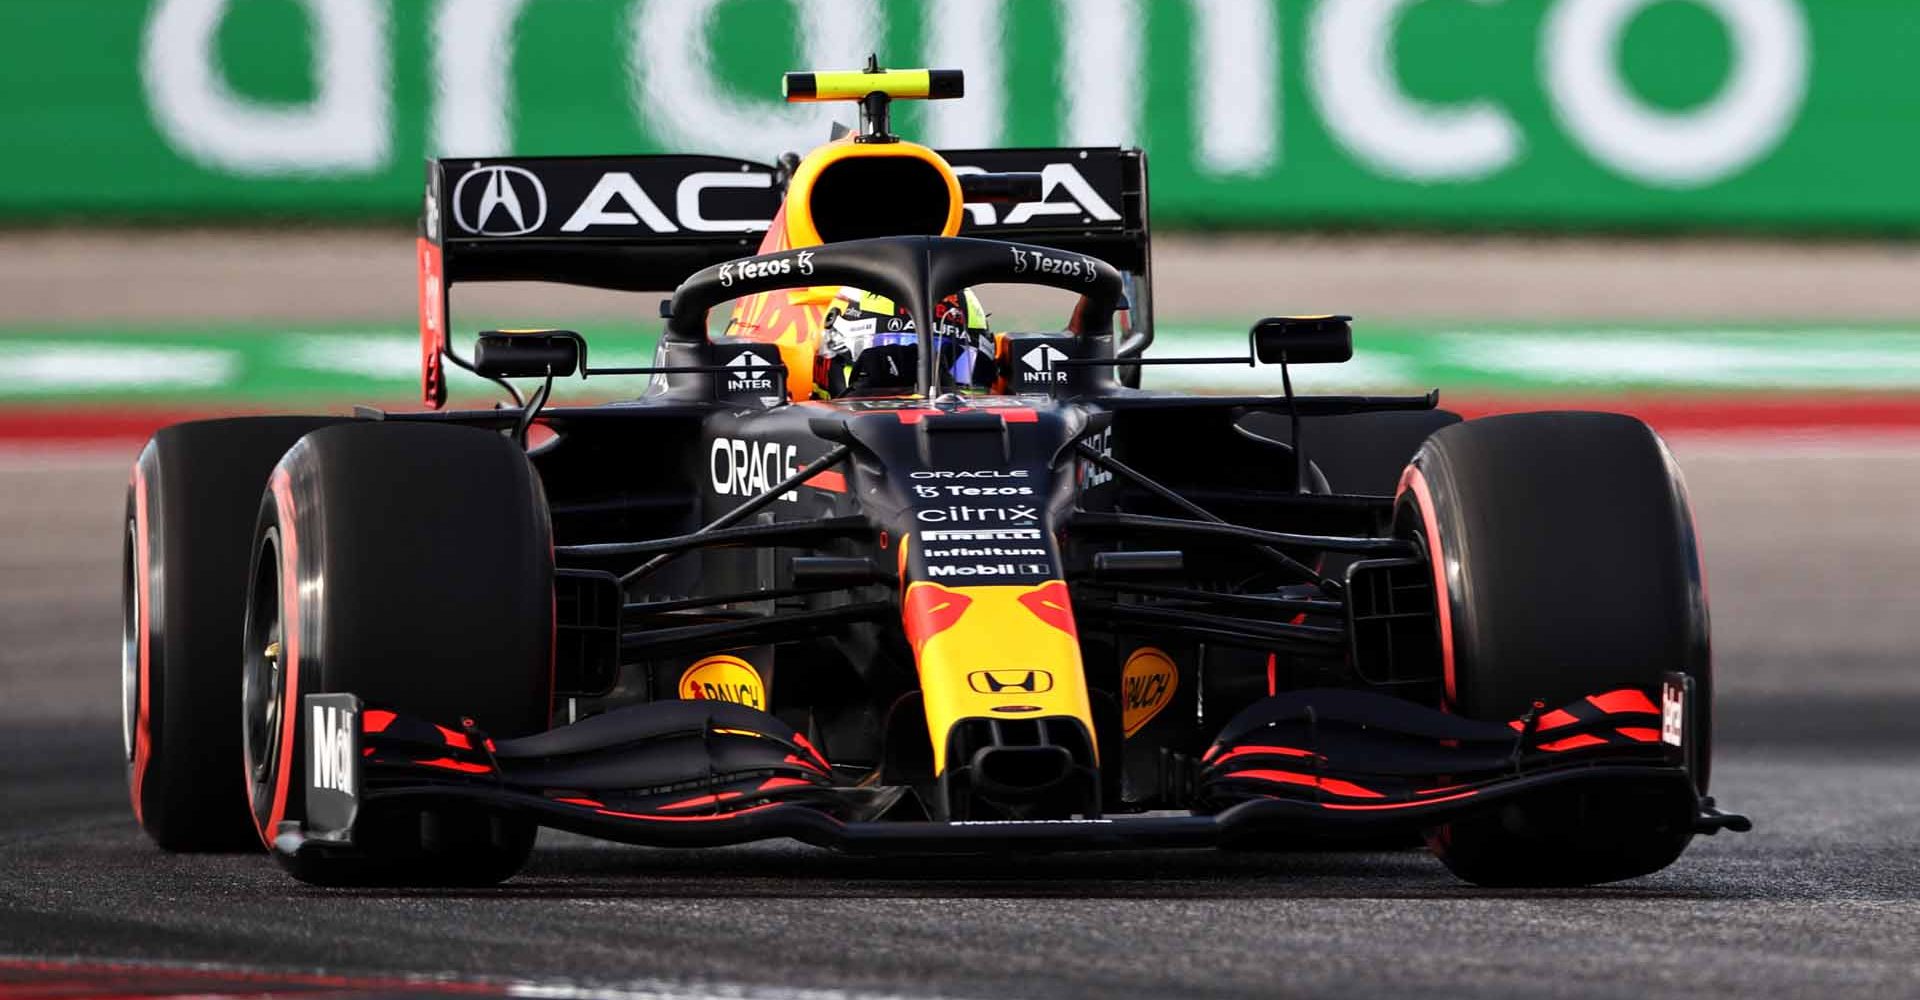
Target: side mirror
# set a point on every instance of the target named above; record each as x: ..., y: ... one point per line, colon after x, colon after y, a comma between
x: 1303, y: 340
x: 528, y: 353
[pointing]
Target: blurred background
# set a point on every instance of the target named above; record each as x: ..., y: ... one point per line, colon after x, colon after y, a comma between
x: 1702, y: 211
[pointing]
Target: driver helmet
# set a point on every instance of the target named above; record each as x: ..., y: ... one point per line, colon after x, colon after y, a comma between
x: 868, y: 347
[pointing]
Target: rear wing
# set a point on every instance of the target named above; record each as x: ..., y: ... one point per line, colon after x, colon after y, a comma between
x: 644, y: 223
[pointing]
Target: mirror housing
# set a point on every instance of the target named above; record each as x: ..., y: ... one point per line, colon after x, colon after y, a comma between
x: 528, y: 353
x: 1303, y: 340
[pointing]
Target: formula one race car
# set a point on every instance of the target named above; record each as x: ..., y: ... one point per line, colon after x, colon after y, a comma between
x: 859, y: 571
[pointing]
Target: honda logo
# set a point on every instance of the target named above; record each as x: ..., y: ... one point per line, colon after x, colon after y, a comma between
x: 1006, y: 681
x: 499, y: 200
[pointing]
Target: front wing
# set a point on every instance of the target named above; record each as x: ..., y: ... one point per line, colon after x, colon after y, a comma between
x: 1325, y: 763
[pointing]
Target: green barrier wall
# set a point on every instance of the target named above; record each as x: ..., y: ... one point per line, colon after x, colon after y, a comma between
x: 1794, y: 115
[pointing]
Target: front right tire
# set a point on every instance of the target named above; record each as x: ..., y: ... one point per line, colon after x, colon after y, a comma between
x: 186, y: 540
x: 1565, y: 565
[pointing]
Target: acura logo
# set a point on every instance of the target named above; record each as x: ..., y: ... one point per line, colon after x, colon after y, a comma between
x: 505, y: 201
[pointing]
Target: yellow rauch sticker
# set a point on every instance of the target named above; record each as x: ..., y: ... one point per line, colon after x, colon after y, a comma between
x: 1147, y: 683
x: 723, y: 678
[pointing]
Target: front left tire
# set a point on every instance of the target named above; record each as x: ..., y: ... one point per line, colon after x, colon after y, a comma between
x: 410, y: 565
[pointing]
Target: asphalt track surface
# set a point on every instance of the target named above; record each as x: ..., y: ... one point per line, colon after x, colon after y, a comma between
x: 1815, y: 575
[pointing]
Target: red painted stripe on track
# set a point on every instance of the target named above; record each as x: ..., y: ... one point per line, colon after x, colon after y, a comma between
x: 91, y: 425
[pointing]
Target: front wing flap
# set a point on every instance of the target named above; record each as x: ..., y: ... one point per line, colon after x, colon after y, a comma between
x: 1354, y: 751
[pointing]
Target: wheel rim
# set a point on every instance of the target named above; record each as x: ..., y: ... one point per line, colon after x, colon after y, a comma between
x: 262, y: 678
x: 130, y: 637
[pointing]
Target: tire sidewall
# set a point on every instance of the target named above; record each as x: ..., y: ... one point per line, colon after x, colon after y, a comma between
x: 278, y: 798
x: 1495, y: 663
x: 319, y: 532
x: 1430, y: 504
x: 191, y: 496
x: 146, y: 677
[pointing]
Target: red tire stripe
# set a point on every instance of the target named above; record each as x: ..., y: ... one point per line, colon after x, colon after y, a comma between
x: 1413, y: 479
x: 282, y: 486
x: 142, y: 730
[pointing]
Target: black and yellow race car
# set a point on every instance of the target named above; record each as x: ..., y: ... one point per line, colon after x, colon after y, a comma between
x: 857, y: 570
